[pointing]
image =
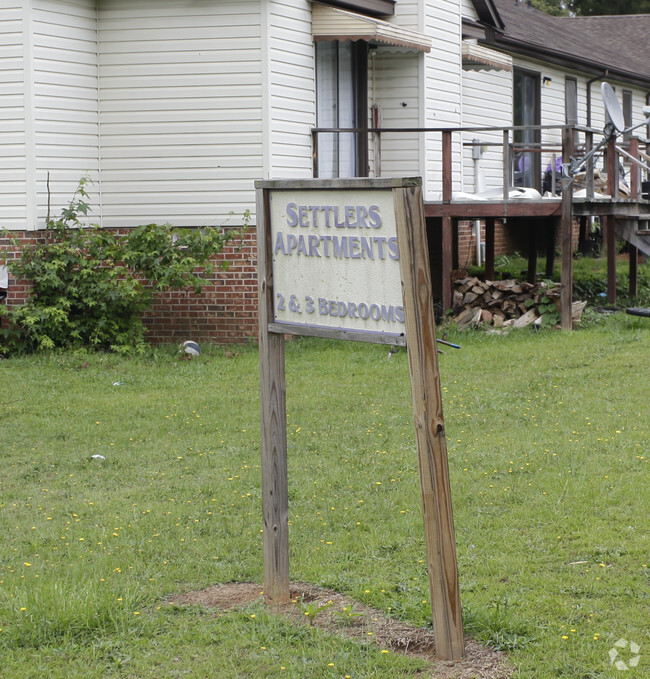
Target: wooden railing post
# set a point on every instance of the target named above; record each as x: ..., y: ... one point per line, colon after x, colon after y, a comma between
x: 566, y: 290
x: 589, y: 167
x: 634, y: 169
x: 446, y: 167
x: 506, y: 164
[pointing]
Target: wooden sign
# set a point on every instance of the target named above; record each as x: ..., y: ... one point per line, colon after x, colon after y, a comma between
x: 335, y: 262
x: 348, y: 259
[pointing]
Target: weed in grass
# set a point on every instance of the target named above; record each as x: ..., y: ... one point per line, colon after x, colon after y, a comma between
x: 312, y: 610
x: 498, y: 626
x: 347, y: 615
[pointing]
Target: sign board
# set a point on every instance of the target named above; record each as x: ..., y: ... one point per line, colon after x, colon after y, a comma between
x: 336, y: 262
x: 348, y: 259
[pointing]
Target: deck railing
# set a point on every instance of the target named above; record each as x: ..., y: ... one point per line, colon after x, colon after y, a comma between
x: 511, y: 157
x: 500, y: 149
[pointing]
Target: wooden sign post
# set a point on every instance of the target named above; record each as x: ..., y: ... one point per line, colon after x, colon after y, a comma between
x: 348, y: 259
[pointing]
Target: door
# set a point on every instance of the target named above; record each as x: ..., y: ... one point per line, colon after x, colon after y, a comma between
x: 526, y: 109
x: 342, y: 101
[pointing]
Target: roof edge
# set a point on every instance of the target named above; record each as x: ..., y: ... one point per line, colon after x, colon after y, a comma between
x: 565, y: 60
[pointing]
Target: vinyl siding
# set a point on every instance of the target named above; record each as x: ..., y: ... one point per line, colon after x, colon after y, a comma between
x: 403, y: 154
x: 181, y: 110
x: 442, y: 89
x: 408, y: 14
x: 13, y: 170
x: 292, y: 89
x: 396, y: 90
x: 487, y: 102
x: 65, y: 79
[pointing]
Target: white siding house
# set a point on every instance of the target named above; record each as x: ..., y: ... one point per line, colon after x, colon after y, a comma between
x: 175, y: 107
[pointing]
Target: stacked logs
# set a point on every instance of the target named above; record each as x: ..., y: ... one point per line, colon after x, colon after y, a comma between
x: 508, y: 303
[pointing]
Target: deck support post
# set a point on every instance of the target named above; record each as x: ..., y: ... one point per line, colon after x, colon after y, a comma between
x: 532, y: 251
x: 610, y: 222
x: 583, y: 234
x: 609, y: 225
x: 634, y: 270
x: 566, y: 290
x: 489, y: 249
x: 447, y: 260
x: 551, y: 226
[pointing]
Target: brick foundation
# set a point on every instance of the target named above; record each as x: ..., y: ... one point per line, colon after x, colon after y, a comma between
x: 225, y: 312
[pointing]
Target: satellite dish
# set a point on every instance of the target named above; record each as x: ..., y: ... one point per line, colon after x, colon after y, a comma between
x: 615, y: 125
x: 613, y: 107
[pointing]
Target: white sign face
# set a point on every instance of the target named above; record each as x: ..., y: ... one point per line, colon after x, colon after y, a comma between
x: 336, y: 261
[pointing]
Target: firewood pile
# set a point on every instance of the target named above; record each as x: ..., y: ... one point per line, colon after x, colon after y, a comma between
x: 508, y: 303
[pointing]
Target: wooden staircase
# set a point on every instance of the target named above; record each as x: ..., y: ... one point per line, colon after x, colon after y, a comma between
x: 636, y: 232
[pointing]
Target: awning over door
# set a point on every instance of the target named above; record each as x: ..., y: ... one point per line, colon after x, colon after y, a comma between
x: 331, y: 23
x: 479, y: 58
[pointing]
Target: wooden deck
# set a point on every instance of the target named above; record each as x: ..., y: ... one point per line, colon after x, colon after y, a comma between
x: 548, y: 213
x: 620, y: 218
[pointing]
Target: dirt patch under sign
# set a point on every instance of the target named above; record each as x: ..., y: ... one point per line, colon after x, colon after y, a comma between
x: 356, y: 621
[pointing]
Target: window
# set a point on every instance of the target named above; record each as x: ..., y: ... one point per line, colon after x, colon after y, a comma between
x: 342, y: 101
x: 526, y: 111
x: 627, y: 110
x: 571, y: 101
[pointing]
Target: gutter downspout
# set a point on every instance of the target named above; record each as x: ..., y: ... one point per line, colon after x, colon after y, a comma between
x: 477, y: 153
x: 589, y: 83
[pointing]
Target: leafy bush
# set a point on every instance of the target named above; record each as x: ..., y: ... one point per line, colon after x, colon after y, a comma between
x: 90, y: 286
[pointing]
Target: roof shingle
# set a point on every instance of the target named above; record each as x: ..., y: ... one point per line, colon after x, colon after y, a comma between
x: 617, y: 43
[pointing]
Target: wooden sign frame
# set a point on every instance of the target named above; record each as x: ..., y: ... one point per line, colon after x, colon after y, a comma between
x: 425, y: 390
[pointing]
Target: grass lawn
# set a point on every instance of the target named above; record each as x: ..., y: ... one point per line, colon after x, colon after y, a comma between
x: 548, y: 437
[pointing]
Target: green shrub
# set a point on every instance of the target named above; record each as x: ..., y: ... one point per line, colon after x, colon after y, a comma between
x: 90, y: 286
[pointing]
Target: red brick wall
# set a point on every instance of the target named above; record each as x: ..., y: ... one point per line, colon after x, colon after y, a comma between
x: 225, y: 313
x: 18, y: 290
x: 504, y: 243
